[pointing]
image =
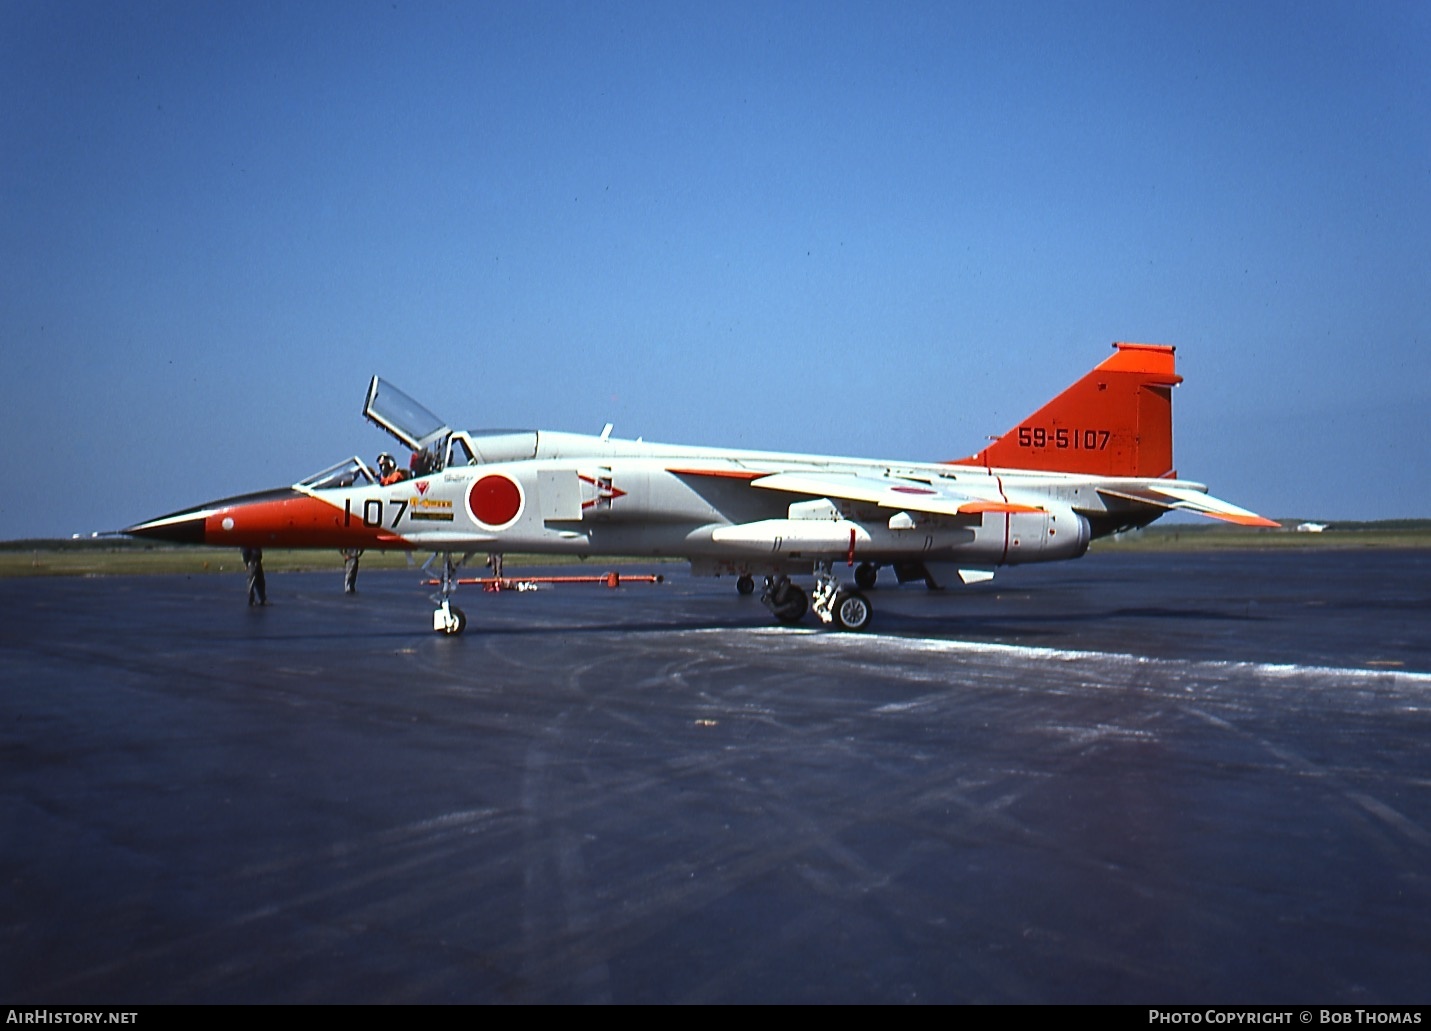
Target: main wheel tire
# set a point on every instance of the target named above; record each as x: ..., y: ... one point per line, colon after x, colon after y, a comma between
x: 745, y: 584
x: 853, y: 611
x: 865, y: 575
x: 794, y: 607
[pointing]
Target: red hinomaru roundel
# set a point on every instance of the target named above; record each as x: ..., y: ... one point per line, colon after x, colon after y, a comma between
x: 495, y: 501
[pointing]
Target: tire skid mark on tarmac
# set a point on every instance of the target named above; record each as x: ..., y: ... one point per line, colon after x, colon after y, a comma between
x: 557, y: 940
x: 411, y: 848
x: 670, y: 894
x: 1199, y: 672
x: 1380, y: 811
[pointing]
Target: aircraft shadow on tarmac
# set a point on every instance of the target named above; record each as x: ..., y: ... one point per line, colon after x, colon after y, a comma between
x: 1050, y: 621
x: 1047, y: 619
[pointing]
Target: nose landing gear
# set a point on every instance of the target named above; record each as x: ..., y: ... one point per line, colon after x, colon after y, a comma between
x: 448, y: 619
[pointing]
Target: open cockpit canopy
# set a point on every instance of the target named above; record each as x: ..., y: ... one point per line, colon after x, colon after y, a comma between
x: 433, y: 443
x: 414, y: 426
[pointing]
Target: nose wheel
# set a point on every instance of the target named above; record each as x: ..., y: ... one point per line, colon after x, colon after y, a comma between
x: 449, y: 619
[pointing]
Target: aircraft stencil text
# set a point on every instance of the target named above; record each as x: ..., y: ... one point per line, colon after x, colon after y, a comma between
x: 1063, y: 437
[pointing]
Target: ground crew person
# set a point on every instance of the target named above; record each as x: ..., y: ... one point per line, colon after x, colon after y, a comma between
x: 257, y: 587
x: 350, y: 569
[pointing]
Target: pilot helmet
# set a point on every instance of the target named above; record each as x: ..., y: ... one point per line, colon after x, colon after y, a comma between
x: 386, y: 463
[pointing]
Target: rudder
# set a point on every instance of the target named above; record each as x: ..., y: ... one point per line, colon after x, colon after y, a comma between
x: 1115, y: 421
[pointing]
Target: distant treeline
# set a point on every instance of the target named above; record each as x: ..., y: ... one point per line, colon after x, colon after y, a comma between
x: 80, y: 544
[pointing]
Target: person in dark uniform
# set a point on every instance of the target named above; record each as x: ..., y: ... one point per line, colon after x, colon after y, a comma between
x: 350, y: 569
x: 257, y: 587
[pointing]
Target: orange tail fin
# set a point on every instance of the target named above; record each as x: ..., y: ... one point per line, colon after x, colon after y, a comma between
x: 1115, y: 421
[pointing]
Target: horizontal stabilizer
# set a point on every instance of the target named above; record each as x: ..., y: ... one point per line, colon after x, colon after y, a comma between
x: 1184, y: 499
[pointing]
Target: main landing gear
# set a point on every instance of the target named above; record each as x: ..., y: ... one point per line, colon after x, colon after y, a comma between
x: 832, y: 603
x: 786, y: 601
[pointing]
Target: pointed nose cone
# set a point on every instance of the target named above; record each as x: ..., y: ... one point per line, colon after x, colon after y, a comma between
x: 179, y: 528
x: 283, y: 518
x: 213, y: 523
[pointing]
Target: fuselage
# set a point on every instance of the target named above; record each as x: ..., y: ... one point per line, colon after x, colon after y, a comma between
x: 544, y: 492
x: 1095, y: 459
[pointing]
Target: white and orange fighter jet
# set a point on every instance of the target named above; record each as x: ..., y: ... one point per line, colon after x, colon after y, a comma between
x: 1095, y: 460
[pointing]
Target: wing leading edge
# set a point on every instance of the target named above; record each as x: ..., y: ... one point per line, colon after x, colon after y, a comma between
x: 894, y: 493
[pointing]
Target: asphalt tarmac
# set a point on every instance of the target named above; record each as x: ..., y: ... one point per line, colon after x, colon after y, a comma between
x: 1134, y: 778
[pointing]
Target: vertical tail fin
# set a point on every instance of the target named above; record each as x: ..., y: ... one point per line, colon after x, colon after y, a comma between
x: 1115, y: 421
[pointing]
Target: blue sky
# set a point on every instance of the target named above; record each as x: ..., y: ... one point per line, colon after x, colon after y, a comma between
x: 872, y: 229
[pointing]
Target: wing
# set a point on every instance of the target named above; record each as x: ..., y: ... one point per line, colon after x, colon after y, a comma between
x: 968, y: 502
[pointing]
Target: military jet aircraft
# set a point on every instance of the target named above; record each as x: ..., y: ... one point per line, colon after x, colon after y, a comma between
x: 1095, y: 460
